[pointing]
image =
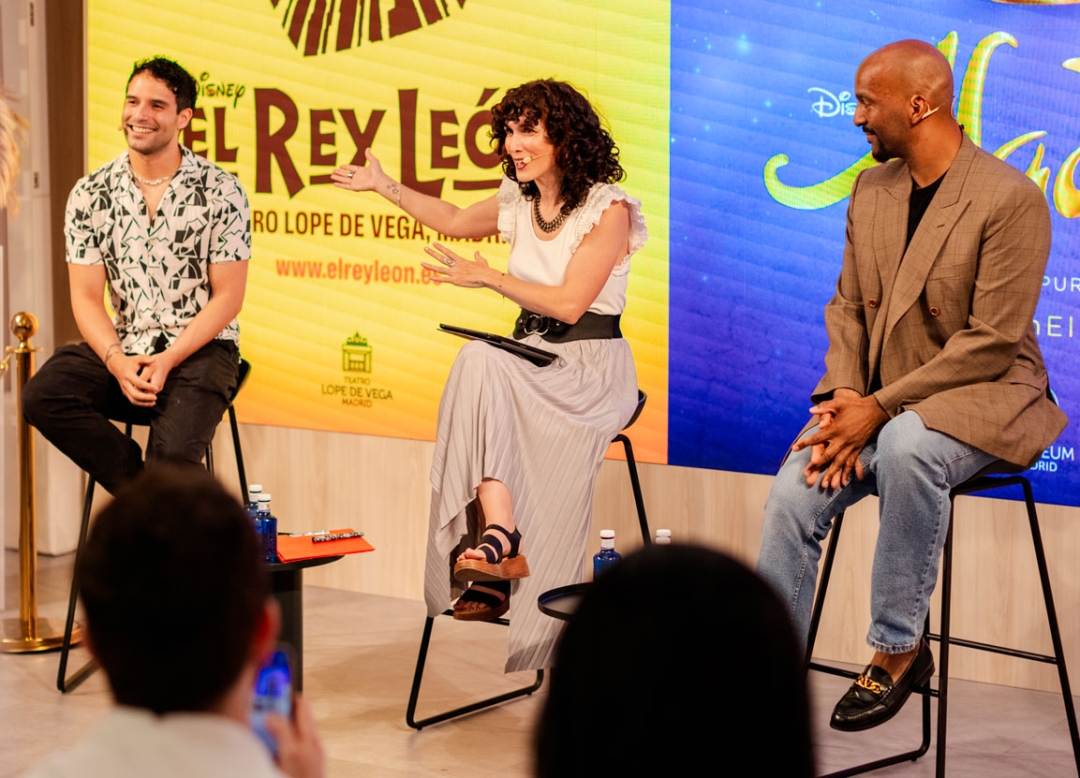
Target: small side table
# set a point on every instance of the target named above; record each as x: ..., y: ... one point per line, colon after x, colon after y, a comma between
x: 287, y: 586
x: 562, y: 603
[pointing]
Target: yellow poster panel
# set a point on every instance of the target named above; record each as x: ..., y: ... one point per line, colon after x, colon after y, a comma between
x: 340, y: 321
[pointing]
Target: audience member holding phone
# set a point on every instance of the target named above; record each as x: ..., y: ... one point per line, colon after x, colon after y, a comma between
x: 179, y: 616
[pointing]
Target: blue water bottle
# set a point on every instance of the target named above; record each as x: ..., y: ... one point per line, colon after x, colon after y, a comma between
x: 266, y: 527
x: 254, y: 490
x: 607, y: 555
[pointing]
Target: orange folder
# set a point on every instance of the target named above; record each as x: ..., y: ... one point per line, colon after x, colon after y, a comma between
x: 292, y: 548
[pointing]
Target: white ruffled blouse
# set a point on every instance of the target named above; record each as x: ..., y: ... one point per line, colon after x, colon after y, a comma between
x: 545, y: 261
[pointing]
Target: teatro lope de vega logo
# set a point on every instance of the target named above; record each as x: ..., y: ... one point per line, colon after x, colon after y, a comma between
x: 355, y: 388
x: 321, y: 26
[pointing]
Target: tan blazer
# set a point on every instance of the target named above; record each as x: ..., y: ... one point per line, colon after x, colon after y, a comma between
x: 950, y: 326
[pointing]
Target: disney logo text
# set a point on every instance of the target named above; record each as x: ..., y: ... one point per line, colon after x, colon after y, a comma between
x: 829, y: 105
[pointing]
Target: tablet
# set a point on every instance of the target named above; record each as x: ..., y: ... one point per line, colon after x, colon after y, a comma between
x: 537, y: 356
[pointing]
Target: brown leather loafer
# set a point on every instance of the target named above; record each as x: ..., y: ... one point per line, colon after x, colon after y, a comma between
x: 875, y: 698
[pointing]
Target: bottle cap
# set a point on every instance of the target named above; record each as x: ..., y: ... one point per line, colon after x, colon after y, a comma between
x: 254, y: 488
x: 607, y: 534
x: 264, y: 498
x: 663, y: 533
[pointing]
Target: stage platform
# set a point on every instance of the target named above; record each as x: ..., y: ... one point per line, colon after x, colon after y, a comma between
x: 360, y: 651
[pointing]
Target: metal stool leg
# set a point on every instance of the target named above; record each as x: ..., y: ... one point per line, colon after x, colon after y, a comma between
x: 236, y: 447
x: 67, y: 684
x: 242, y: 376
x: 944, y: 641
x: 639, y: 500
x: 421, y: 660
x: 239, y: 453
x: 983, y: 484
x: 815, y: 620
x: 823, y: 585
x: 1051, y: 617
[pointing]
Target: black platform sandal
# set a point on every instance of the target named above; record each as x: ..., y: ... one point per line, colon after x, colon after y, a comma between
x: 501, y: 562
x: 493, y: 595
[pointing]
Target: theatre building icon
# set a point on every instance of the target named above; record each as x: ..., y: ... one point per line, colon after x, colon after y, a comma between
x: 356, y: 355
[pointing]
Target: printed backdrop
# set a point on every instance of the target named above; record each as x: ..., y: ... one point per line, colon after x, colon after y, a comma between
x: 340, y: 323
x: 763, y: 153
x: 734, y: 119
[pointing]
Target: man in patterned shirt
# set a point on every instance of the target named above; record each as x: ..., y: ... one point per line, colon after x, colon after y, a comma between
x: 170, y: 232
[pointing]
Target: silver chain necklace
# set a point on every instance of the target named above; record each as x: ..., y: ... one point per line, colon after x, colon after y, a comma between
x: 544, y: 225
x: 152, y: 181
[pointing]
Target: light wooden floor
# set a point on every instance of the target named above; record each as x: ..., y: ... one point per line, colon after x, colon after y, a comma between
x: 359, y: 660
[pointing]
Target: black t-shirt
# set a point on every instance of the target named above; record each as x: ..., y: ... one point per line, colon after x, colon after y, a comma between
x: 920, y: 201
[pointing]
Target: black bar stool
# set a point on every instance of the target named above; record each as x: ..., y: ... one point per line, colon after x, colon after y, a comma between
x: 421, y: 659
x: 1006, y: 475
x: 63, y: 683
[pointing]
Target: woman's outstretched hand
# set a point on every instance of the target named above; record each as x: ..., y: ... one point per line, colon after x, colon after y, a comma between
x: 359, y: 179
x: 455, y: 269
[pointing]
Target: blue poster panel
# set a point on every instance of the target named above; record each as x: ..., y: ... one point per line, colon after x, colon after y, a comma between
x: 763, y: 152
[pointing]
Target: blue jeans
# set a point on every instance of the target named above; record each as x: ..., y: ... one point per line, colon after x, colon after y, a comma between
x: 912, y: 470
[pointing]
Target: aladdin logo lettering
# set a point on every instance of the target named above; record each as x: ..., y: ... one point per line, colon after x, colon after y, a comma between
x: 1065, y: 195
x: 314, y: 26
x: 829, y: 105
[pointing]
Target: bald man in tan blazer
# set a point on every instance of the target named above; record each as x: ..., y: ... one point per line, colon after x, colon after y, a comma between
x: 933, y: 370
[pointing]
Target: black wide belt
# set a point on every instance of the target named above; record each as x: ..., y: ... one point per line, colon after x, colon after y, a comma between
x: 591, y: 326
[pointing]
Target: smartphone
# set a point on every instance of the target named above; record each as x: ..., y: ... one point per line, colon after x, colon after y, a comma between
x: 273, y: 693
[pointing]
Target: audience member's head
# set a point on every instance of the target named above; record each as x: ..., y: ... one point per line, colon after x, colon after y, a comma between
x: 677, y: 657
x: 175, y: 593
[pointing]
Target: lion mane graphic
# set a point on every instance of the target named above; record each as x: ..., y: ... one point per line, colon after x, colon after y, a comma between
x: 314, y: 26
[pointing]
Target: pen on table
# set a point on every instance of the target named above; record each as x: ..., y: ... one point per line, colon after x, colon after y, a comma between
x: 339, y: 536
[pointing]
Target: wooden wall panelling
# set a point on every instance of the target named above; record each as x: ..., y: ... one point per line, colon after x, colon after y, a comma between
x: 380, y: 485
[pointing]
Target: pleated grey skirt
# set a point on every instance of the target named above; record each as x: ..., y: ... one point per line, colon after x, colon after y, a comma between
x: 543, y: 432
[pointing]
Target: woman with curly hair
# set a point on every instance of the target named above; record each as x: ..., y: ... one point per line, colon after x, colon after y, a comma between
x: 518, y: 446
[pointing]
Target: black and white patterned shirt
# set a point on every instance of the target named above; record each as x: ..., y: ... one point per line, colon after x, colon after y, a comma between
x: 157, y: 273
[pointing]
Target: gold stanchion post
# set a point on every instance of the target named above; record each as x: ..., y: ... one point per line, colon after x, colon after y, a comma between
x: 28, y: 632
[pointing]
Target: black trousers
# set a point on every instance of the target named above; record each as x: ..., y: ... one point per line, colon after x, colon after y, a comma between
x: 72, y: 398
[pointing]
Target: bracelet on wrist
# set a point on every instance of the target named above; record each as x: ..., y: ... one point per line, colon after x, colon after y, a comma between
x: 395, y: 189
